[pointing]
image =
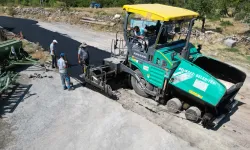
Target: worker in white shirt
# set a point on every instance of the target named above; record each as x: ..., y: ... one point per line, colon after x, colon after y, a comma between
x: 53, y: 53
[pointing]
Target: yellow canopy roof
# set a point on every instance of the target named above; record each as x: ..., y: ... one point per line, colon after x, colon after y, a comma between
x: 160, y: 12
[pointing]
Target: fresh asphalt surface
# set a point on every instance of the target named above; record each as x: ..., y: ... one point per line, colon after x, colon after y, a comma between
x: 34, y: 33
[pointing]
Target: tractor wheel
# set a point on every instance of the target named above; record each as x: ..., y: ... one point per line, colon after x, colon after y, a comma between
x: 174, y: 105
x: 193, y: 114
x: 206, y: 120
x: 136, y: 85
x: 130, y: 82
x: 108, y: 90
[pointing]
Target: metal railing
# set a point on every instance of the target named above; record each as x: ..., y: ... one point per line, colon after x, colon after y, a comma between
x: 118, y: 47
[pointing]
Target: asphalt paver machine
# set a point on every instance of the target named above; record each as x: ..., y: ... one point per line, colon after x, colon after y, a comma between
x: 169, y: 68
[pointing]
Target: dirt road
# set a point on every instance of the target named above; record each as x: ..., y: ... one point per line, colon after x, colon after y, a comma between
x: 55, y: 115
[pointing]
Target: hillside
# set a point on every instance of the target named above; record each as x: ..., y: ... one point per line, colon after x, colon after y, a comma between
x: 105, y: 19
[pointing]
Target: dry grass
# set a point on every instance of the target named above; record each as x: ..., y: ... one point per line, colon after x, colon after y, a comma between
x: 41, y: 55
x: 212, y: 44
x: 36, y: 51
x: 236, y: 28
x: 101, y: 11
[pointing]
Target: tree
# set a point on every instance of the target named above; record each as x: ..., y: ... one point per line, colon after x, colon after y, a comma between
x: 204, y: 7
x: 224, y: 5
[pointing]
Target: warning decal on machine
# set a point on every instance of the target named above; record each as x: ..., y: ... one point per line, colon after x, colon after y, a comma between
x: 182, y: 77
x: 200, y: 85
x: 145, y: 68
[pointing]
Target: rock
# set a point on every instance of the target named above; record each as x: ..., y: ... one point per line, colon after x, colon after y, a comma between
x: 230, y: 42
x: 117, y: 16
x: 39, y: 76
x: 31, y: 76
x: 47, y: 13
x: 209, y: 32
x: 248, y: 39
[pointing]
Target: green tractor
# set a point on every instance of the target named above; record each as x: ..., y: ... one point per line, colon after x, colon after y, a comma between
x: 12, y: 54
x: 170, y: 69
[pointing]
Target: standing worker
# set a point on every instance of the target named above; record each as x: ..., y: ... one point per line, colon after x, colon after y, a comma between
x: 53, y: 53
x: 62, y: 65
x: 83, y: 57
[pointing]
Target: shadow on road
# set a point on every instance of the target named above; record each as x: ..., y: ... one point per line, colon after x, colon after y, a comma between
x: 10, y: 99
x: 227, y: 118
x: 34, y: 33
x: 44, y: 37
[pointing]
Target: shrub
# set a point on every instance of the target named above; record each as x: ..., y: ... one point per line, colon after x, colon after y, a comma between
x: 214, y: 17
x: 101, y: 13
x: 247, y: 20
x: 248, y: 58
x: 218, y: 29
x: 2, y: 9
x: 11, y: 11
x: 60, y: 4
x: 240, y: 16
x: 232, y: 49
x: 226, y: 23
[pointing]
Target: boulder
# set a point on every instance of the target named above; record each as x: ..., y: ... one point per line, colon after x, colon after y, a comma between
x: 248, y: 39
x: 117, y: 16
x: 209, y: 32
x: 230, y: 42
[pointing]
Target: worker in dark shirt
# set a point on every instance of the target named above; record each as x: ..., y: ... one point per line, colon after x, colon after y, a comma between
x: 83, y: 57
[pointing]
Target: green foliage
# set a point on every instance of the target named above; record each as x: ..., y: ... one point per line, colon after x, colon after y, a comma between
x: 204, y: 7
x: 243, y: 6
x: 101, y: 13
x: 224, y: 5
x: 226, y: 23
x: 212, y: 9
x: 247, y: 20
x: 59, y: 4
x: 248, y: 58
x: 232, y: 49
x: 240, y: 16
x: 219, y: 29
x: 215, y: 17
x: 11, y: 11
